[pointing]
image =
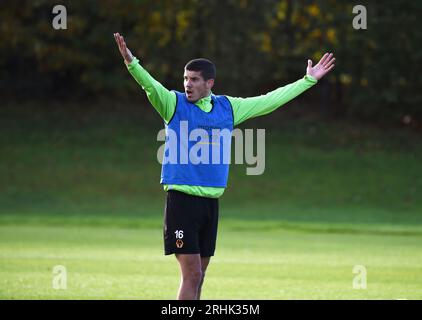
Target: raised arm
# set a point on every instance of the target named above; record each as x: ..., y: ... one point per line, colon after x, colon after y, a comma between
x: 246, y: 108
x: 163, y: 100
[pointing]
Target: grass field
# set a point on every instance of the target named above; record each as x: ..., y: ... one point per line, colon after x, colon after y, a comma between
x: 80, y: 189
x: 127, y: 263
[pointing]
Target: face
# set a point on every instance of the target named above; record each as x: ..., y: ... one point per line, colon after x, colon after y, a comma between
x: 195, y: 86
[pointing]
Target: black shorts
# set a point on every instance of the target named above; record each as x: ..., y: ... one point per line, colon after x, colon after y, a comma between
x: 190, y: 224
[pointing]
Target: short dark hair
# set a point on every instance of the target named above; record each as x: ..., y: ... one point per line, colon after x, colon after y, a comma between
x: 206, y: 67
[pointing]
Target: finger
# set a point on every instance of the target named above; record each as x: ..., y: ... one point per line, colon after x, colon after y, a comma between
x: 329, y: 69
x: 116, y: 37
x: 309, y: 63
x: 329, y: 63
x: 321, y: 62
x: 123, y: 43
x: 327, y: 59
x: 118, y: 42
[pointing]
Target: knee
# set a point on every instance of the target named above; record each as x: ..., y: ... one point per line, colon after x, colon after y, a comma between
x: 195, y: 276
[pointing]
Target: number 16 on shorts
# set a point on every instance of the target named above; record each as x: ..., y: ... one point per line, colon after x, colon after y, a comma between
x: 179, y: 234
x: 179, y: 237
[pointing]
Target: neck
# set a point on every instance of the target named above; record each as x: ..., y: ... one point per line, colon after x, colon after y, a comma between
x: 202, y: 97
x: 206, y: 95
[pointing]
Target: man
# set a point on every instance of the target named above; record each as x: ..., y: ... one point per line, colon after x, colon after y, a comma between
x: 193, y: 189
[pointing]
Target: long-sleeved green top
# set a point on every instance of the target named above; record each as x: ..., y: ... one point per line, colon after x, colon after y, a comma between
x: 164, y: 101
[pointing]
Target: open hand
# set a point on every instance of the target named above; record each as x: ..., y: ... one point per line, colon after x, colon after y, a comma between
x: 124, y: 51
x: 322, y: 67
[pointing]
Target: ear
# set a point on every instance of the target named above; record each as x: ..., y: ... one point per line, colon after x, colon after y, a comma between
x: 210, y: 83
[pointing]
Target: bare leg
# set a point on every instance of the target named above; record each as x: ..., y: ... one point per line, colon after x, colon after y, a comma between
x: 204, y: 264
x: 191, y: 275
